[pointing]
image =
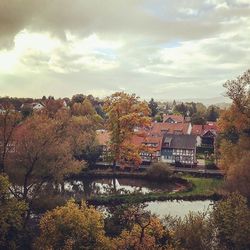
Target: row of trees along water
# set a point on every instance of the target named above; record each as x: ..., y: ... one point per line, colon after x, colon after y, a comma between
x: 46, y: 146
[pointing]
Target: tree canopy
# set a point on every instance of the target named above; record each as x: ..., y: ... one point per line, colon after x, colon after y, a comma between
x: 125, y: 114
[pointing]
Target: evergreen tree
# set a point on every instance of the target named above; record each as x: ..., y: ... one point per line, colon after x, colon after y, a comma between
x: 153, y: 107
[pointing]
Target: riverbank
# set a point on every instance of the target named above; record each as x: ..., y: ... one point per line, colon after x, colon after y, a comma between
x: 195, y: 188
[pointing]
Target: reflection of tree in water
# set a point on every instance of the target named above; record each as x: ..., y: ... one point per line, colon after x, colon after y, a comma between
x: 86, y: 188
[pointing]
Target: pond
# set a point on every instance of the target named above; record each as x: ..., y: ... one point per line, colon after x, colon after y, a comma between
x: 86, y: 188
x: 91, y: 187
x: 178, y: 208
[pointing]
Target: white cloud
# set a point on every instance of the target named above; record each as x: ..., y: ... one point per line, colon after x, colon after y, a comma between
x: 152, y: 47
x: 91, y: 53
x: 189, y: 11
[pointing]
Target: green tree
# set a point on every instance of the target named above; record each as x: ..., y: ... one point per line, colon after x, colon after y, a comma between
x: 153, y: 107
x: 181, y: 108
x: 91, y: 153
x: 213, y: 113
x: 198, y: 119
x: 159, y: 171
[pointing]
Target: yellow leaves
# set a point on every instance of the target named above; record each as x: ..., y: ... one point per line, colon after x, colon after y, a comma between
x: 140, y: 237
x: 125, y: 113
x: 234, y: 124
x: 72, y: 227
x: 232, y: 117
x: 83, y: 109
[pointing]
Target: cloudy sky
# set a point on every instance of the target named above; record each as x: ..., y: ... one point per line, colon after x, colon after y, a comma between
x: 155, y: 48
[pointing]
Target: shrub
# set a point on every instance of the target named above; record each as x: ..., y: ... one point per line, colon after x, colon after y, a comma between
x: 159, y: 171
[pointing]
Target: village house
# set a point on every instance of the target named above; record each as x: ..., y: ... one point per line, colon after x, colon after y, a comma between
x: 2, y: 109
x: 35, y: 106
x: 173, y: 118
x: 152, y: 147
x: 206, y: 134
x: 179, y: 149
x: 170, y: 128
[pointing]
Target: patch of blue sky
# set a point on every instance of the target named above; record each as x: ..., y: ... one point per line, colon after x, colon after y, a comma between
x: 171, y: 44
x: 158, y: 8
x: 107, y: 52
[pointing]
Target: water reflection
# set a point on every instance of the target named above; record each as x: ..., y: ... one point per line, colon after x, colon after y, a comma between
x: 87, y: 188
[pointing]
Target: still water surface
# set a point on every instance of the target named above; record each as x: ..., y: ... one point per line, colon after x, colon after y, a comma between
x: 105, y: 186
x: 178, y: 208
x: 85, y: 188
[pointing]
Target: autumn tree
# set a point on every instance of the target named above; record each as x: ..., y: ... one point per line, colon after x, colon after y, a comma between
x: 82, y: 131
x: 9, y: 120
x: 125, y: 113
x: 11, y: 220
x: 42, y: 154
x: 73, y: 227
x: 194, y: 231
x: 234, y: 125
x: 52, y: 106
x: 143, y: 231
x: 230, y: 220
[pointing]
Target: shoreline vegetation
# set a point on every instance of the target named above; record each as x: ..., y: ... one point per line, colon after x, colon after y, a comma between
x: 190, y: 188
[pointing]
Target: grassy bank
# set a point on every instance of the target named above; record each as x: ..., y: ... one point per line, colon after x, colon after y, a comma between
x: 198, y: 189
x: 203, y: 186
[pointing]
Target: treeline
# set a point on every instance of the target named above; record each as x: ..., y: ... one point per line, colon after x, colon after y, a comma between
x: 22, y: 104
x: 197, y: 112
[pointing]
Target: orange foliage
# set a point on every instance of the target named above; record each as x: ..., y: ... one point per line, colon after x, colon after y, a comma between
x: 125, y: 113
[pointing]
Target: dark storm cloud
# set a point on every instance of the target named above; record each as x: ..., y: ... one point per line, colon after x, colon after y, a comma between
x: 109, y: 17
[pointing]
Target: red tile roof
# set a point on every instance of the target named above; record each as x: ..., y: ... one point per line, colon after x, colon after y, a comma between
x: 202, y: 129
x: 137, y: 140
x: 197, y: 130
x: 176, y: 118
x: 171, y: 128
x: 154, y: 140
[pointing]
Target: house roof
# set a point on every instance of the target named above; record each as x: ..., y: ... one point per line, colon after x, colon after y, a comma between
x: 197, y: 130
x: 154, y: 140
x: 32, y: 105
x: 176, y: 118
x: 171, y: 128
x: 203, y: 129
x: 137, y: 140
x: 180, y: 141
